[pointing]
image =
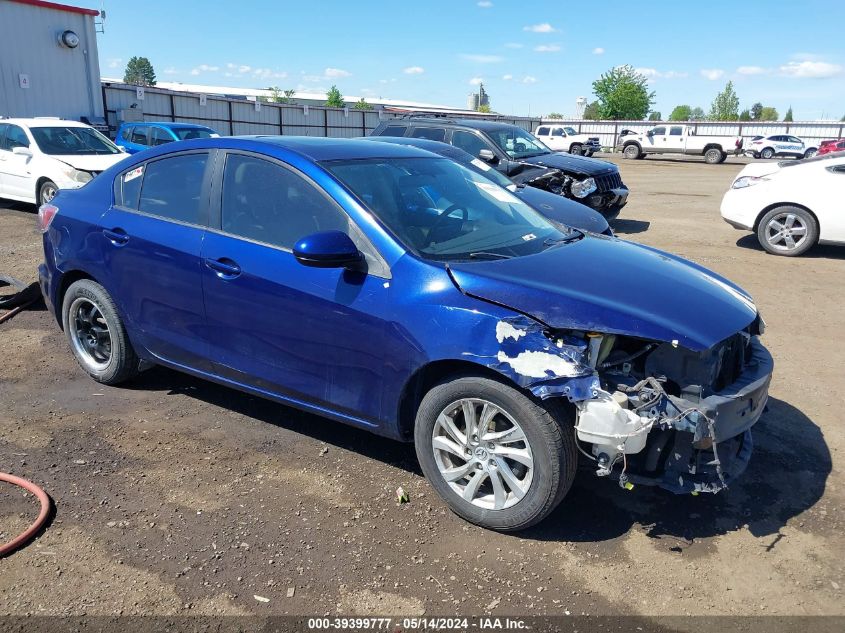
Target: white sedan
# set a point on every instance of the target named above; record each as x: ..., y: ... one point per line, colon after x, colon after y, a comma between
x: 42, y: 155
x: 791, y: 206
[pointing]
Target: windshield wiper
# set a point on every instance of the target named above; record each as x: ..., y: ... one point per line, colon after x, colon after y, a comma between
x: 575, y: 235
x: 488, y: 255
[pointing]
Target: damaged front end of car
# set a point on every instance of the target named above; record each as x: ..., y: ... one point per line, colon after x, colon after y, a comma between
x: 648, y: 412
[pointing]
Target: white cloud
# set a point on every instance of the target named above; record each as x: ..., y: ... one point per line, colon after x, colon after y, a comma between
x: 808, y: 69
x: 336, y: 73
x: 545, y: 27
x: 483, y: 59
x: 485, y: 4
x: 475, y: 81
x: 115, y: 62
x: 204, y: 68
x: 547, y: 48
x: 751, y: 70
x: 513, y: 45
x: 652, y: 73
x: 507, y: 77
x: 414, y: 70
x: 267, y: 73
x: 712, y: 73
x: 170, y: 70
x: 598, y: 50
x: 528, y: 79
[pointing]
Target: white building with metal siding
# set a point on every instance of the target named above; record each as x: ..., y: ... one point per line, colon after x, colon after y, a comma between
x: 44, y: 69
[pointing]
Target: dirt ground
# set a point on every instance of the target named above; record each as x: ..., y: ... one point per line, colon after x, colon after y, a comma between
x: 177, y: 496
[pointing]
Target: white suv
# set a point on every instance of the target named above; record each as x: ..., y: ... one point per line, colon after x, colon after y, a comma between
x: 40, y: 156
x: 563, y: 138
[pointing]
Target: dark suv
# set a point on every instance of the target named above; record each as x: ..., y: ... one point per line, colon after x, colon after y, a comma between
x: 522, y: 158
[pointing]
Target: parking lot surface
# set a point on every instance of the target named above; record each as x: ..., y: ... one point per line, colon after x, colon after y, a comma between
x: 178, y: 496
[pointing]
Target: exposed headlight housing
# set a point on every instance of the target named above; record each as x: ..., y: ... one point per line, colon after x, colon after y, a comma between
x: 747, y: 181
x: 583, y: 188
x: 77, y: 175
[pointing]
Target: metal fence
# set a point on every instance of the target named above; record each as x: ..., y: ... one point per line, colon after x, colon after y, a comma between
x: 608, y: 131
x: 232, y: 116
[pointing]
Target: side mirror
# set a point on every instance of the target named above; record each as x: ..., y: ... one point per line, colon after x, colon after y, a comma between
x: 327, y: 249
x: 487, y: 155
x: 650, y: 133
x: 22, y: 151
x: 122, y: 149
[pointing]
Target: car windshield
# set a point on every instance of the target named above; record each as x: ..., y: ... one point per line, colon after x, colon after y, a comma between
x: 72, y: 140
x: 444, y: 211
x: 187, y: 133
x: 517, y: 143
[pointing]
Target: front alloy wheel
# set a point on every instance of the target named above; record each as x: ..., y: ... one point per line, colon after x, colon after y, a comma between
x: 498, y: 457
x: 47, y: 192
x: 482, y: 453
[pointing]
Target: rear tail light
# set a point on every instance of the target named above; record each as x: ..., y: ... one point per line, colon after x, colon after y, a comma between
x: 46, y: 213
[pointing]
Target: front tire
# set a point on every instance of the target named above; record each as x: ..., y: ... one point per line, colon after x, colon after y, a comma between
x: 96, y: 333
x: 498, y: 458
x: 788, y: 231
x: 576, y: 149
x: 767, y: 153
x: 46, y: 192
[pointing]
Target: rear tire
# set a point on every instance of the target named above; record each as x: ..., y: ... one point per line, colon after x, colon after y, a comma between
x: 788, y: 231
x: 472, y: 469
x: 96, y: 333
x: 714, y: 156
x: 810, y: 153
x: 632, y: 151
x: 576, y: 149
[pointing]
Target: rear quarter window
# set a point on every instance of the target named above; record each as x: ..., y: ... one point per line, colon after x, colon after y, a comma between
x: 393, y: 130
x: 128, y: 188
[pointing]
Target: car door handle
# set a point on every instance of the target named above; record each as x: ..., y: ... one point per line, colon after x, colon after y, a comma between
x: 118, y: 237
x: 224, y: 267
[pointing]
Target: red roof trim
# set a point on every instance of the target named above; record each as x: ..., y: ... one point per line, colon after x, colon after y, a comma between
x: 58, y: 7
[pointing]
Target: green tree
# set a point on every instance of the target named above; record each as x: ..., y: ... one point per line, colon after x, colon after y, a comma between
x: 334, y: 99
x: 725, y: 106
x: 623, y: 93
x: 483, y: 108
x: 696, y: 114
x: 756, y: 111
x: 139, y: 72
x: 554, y: 115
x: 361, y: 104
x: 768, y: 114
x: 680, y: 113
x: 745, y: 115
x: 591, y: 111
x: 788, y: 117
x: 655, y: 116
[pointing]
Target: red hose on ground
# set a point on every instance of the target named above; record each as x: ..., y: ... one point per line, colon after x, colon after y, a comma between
x: 42, y: 516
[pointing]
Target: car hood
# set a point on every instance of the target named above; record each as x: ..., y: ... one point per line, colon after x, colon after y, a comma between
x: 88, y: 162
x: 563, y: 210
x: 608, y: 285
x: 570, y: 163
x: 758, y: 170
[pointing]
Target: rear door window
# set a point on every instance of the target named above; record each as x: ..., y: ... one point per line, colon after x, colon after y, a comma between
x: 159, y: 136
x: 676, y: 130
x: 430, y: 133
x: 139, y: 134
x: 558, y: 131
x: 394, y: 130
x: 172, y: 187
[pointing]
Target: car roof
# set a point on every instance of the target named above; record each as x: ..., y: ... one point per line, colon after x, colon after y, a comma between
x: 435, y: 147
x: 167, y: 124
x: 321, y: 148
x: 480, y: 124
x: 45, y: 122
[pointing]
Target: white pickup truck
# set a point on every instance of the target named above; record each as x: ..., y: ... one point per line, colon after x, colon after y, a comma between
x: 680, y: 139
x: 563, y: 138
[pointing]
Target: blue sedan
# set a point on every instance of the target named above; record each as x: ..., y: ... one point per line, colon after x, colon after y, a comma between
x: 388, y: 288
x: 136, y: 137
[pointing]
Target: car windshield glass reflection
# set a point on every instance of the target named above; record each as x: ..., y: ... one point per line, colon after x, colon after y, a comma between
x: 59, y: 141
x: 518, y: 143
x: 444, y: 211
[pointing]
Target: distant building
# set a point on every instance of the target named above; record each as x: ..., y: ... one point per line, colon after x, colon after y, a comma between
x: 48, y: 61
x: 477, y: 99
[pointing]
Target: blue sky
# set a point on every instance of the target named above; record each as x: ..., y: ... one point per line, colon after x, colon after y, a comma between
x: 534, y: 57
